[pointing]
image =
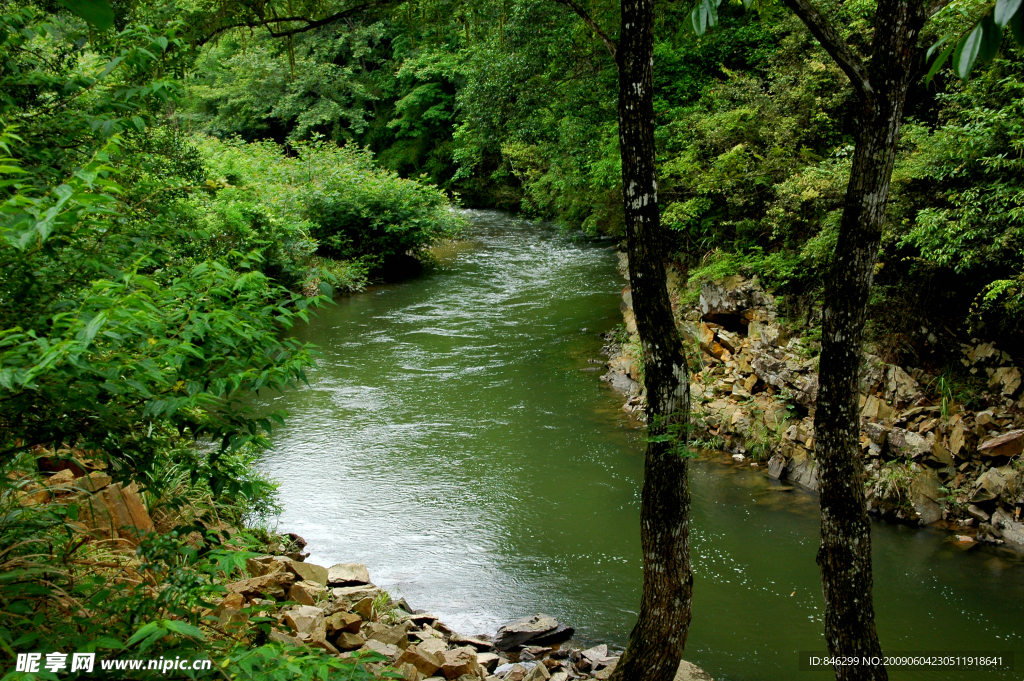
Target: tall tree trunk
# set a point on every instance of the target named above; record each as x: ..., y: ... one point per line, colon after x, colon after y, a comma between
x: 844, y: 555
x: 656, y: 643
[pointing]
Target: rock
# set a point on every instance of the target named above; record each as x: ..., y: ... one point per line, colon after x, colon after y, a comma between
x: 304, y: 619
x: 478, y: 643
x: 425, y: 662
x: 908, y: 444
x: 988, y: 486
x: 939, y: 456
x: 596, y: 653
x: 93, y: 482
x: 607, y: 672
x: 957, y: 439
x: 560, y: 634
x: 488, y: 661
x: 731, y: 296
x: 263, y: 565
x: 1010, y: 529
x: 408, y: 672
x: 434, y: 646
x: 901, y: 387
x: 391, y: 652
x: 538, y: 673
x: 347, y: 574
x: 1005, y: 379
x: 978, y: 513
x: 364, y: 609
x: 343, y: 621
x: 354, y: 594
x: 306, y: 593
x: 522, y: 630
x: 307, y: 572
x: 458, y: 662
x: 560, y: 676
x: 265, y: 586
x: 281, y: 637
x: 690, y: 672
x: 395, y: 635
x: 1008, y: 444
x: 114, y: 511
x: 776, y: 466
x: 348, y: 641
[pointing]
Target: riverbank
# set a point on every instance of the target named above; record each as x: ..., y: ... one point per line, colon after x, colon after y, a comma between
x: 928, y: 459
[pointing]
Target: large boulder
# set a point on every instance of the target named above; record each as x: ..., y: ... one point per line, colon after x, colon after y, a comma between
x: 521, y: 631
x: 347, y: 574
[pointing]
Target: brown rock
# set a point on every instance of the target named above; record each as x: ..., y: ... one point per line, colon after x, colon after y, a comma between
x: 269, y: 586
x: 347, y: 574
x: 691, y: 672
x: 458, y: 662
x: 305, y: 619
x: 389, y: 651
x: 349, y: 641
x: 434, y: 646
x: 306, y: 593
x: 1007, y: 444
x: 425, y: 662
x: 281, y: 637
x: 487, y: 661
x: 607, y: 672
x: 364, y: 609
x: 93, y: 482
x: 343, y: 621
x: 354, y: 594
x: 522, y: 630
x: 307, y: 572
x: 395, y: 636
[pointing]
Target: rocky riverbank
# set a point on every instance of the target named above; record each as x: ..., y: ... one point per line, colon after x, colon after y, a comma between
x: 339, y: 610
x: 754, y: 381
x: 283, y: 599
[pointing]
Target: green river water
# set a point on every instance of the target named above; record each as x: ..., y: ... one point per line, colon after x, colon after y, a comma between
x: 456, y: 439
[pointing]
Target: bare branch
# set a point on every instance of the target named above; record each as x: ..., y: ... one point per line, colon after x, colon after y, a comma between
x: 826, y: 34
x: 582, y: 13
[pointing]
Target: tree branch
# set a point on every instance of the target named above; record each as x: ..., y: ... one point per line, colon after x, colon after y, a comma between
x: 933, y: 8
x: 308, y: 23
x: 594, y: 26
x: 826, y: 34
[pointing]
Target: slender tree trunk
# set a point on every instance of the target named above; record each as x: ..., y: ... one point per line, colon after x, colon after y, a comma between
x: 845, y: 552
x: 656, y: 643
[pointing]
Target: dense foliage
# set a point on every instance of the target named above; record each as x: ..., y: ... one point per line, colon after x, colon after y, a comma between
x: 148, y: 280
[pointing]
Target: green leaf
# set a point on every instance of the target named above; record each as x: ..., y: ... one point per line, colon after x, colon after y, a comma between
x: 935, y: 46
x: 1005, y: 9
x: 184, y: 628
x: 938, y: 63
x: 1017, y: 26
x: 97, y: 12
x: 967, y: 52
x: 991, y: 36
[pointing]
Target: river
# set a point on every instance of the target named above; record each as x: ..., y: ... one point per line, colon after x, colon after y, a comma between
x: 456, y: 439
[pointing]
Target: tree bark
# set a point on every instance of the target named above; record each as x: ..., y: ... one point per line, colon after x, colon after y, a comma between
x: 844, y: 555
x: 657, y: 641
